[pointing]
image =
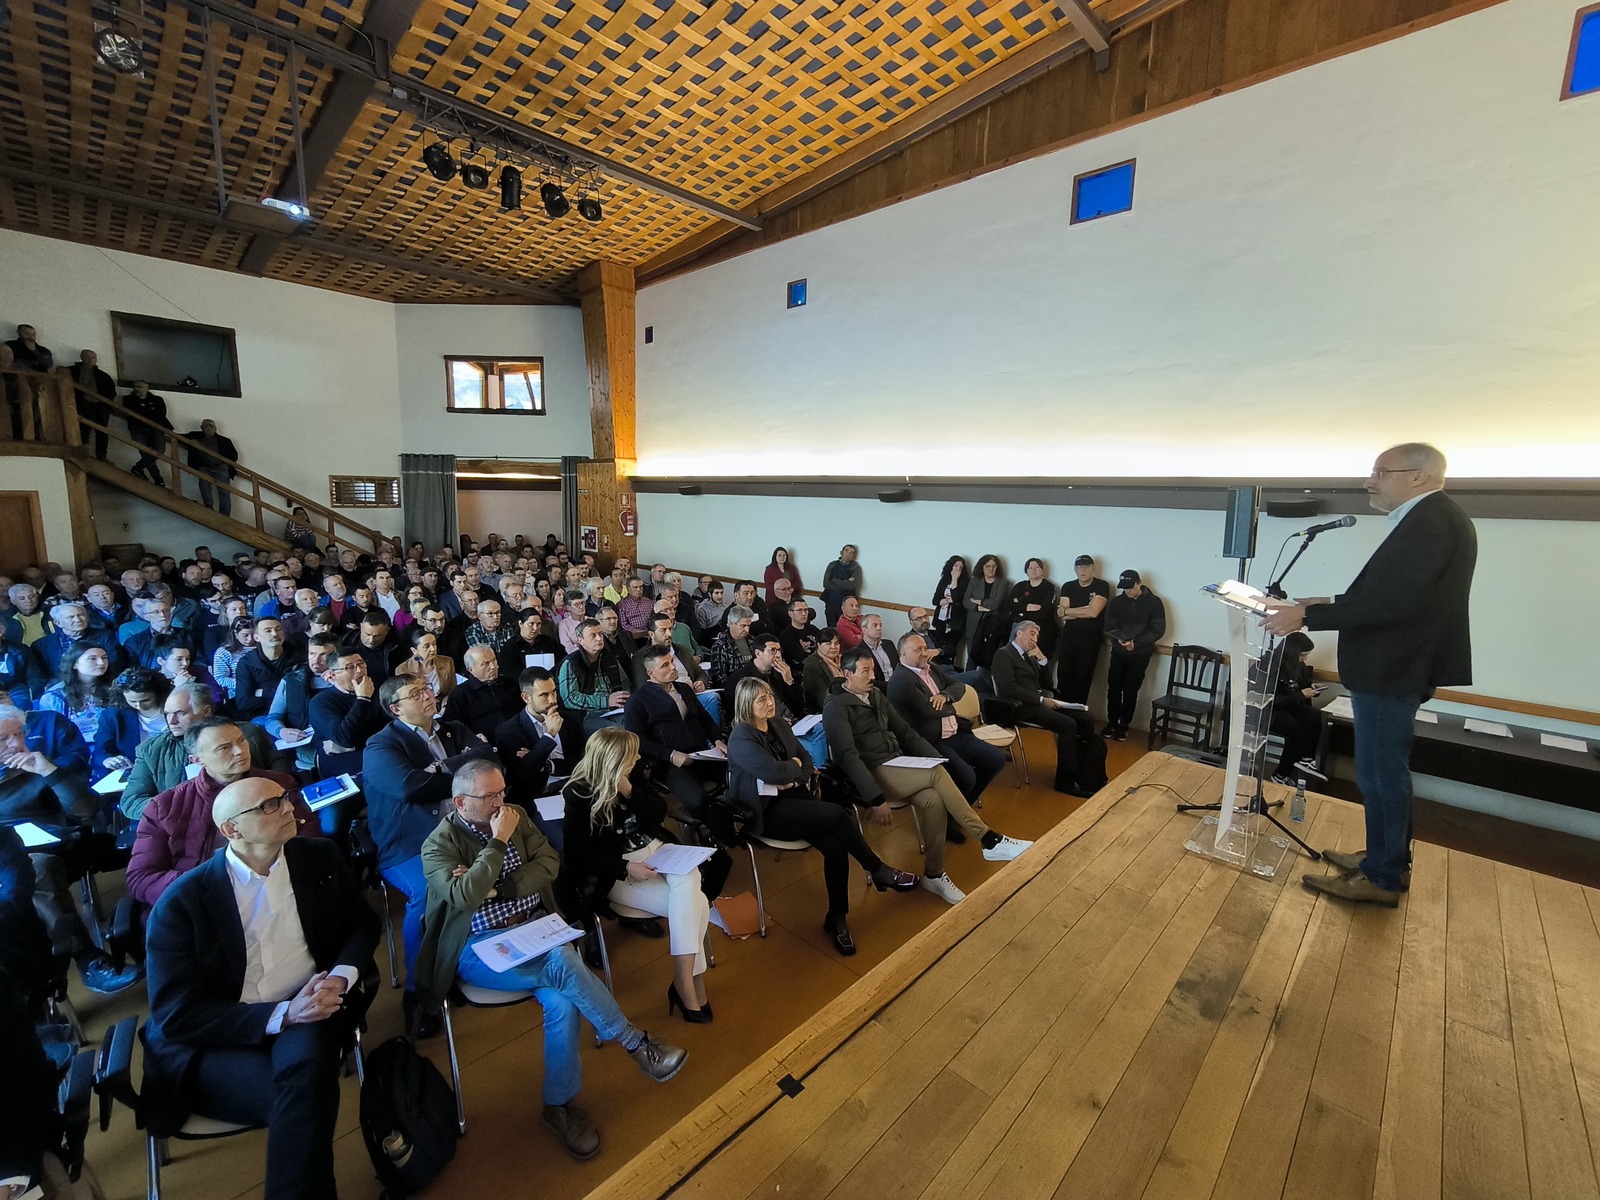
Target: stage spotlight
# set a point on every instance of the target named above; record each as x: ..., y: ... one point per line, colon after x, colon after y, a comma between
x: 439, y: 163
x: 510, y: 189
x: 589, y: 208
x: 474, y: 175
x: 555, y: 200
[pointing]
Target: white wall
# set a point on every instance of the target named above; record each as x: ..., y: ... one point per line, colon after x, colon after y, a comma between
x: 47, y: 477
x: 427, y: 332
x: 1399, y: 243
x: 1517, y: 653
x: 508, y: 513
x: 317, y: 368
x: 121, y: 517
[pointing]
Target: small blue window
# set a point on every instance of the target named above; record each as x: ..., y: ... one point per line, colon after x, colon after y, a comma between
x: 797, y: 293
x: 1103, y: 192
x: 1583, y: 72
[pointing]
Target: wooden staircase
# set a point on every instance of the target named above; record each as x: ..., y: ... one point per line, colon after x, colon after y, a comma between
x: 263, y: 503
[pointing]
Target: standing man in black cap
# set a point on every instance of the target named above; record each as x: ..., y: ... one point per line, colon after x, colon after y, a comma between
x: 1082, y: 613
x: 1136, y: 620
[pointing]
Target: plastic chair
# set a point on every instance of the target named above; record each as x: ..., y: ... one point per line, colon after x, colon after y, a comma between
x: 1003, y: 713
x: 364, y: 857
x: 469, y: 996
x: 1194, y: 679
x: 778, y: 844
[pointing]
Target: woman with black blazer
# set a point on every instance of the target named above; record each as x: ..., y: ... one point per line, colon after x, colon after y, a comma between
x: 764, y: 755
x: 949, y: 607
x: 821, y: 672
x: 611, y: 826
x: 985, y: 601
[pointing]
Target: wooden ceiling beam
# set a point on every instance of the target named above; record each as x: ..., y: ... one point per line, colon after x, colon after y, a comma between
x: 77, y: 187
x: 385, y: 22
x: 1090, y: 26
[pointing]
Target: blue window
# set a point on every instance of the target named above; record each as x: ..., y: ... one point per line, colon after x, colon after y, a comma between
x: 1583, y: 67
x: 1103, y: 192
x: 797, y: 293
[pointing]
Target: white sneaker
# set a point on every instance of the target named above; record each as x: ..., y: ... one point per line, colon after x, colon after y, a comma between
x: 942, y: 887
x: 1005, y: 849
x: 1306, y: 767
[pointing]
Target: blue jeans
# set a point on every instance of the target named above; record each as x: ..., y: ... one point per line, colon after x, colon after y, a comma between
x: 712, y: 704
x: 565, y: 988
x: 1384, y: 726
x: 413, y: 884
x: 816, y: 743
x: 224, y: 498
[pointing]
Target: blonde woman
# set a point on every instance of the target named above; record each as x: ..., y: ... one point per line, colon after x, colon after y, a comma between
x: 610, y: 828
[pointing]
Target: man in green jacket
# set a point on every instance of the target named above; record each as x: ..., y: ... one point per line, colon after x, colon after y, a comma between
x: 162, y: 762
x: 489, y: 870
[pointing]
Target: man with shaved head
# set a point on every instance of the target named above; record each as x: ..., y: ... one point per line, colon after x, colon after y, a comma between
x: 1403, y: 631
x: 255, y: 961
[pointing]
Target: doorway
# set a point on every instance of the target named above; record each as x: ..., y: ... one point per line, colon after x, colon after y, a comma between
x: 21, y: 532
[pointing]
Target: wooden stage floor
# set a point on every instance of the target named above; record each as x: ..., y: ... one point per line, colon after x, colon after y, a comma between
x: 1112, y: 1017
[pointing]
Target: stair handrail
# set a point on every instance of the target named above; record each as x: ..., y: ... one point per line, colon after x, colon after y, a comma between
x: 65, y: 392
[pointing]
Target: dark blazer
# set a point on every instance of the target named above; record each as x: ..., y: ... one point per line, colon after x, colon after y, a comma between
x: 865, y: 735
x: 196, y: 962
x: 529, y: 774
x: 480, y: 706
x: 1403, y: 623
x: 595, y: 854
x: 345, y: 720
x: 751, y: 762
x: 880, y: 677
x: 914, y: 702
x: 651, y: 714
x: 691, y: 666
x: 405, y: 798
x: 1016, y: 678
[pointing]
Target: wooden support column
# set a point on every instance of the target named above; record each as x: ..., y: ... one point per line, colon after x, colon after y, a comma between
x: 605, y: 496
x: 85, y: 537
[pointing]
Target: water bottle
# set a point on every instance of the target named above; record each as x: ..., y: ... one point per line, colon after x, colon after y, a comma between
x: 1297, y: 806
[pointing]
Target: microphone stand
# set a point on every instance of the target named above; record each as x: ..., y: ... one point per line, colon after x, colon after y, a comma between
x: 1275, y: 588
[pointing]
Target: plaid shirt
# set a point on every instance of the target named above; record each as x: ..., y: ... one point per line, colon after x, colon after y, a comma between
x: 634, y: 615
x: 495, y: 913
x: 477, y: 635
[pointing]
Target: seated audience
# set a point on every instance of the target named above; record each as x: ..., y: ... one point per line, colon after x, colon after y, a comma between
x: 823, y: 672
x: 127, y: 726
x: 161, y: 763
x: 849, y: 623
x: 618, y: 646
x: 141, y: 647
x: 175, y: 660
x: 611, y: 827
x: 768, y: 665
x: 534, y: 636
x: 864, y: 733
x: 26, y: 621
x: 672, y: 725
x: 84, y: 688
x: 711, y: 610
x: 289, y: 716
x: 634, y: 610
x: 175, y: 829
x: 797, y: 634
x: 406, y: 774
x: 589, y: 682
x: 534, y: 745
x: 19, y: 672
x: 488, y: 630
x: 775, y: 614
x: 375, y: 644
x: 241, y: 638
x: 926, y: 697
x: 69, y: 629
x: 426, y: 663
x: 484, y: 700
x: 883, y: 652
x: 732, y: 649
x: 763, y: 752
x: 489, y: 870
x: 344, y: 717
x: 781, y: 570
x: 255, y: 987
x: 1016, y: 671
x: 1294, y: 717
x: 258, y: 671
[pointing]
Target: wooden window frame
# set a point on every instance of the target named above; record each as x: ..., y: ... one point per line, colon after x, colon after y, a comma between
x: 1077, y: 182
x: 160, y: 385
x: 1572, y: 55
x: 450, y: 391
x: 392, y: 482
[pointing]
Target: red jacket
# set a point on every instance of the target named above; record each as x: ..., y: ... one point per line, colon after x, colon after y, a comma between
x: 176, y: 833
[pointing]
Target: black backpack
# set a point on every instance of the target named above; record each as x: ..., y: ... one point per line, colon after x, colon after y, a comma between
x: 408, y: 1118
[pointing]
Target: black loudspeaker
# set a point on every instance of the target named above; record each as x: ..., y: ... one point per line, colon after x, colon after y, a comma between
x: 1239, y: 531
x: 898, y: 496
x: 1294, y: 510
x: 690, y: 489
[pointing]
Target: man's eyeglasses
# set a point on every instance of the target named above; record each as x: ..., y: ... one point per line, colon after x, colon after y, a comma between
x: 1378, y: 472
x: 407, y: 697
x: 489, y: 796
x: 267, y: 807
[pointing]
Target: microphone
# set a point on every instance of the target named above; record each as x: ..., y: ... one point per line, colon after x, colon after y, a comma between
x: 1341, y: 523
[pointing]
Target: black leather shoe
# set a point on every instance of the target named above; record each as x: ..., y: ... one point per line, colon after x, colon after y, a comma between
x: 101, y: 974
x: 953, y: 833
x: 420, y: 1026
x: 842, y: 941
x: 650, y: 929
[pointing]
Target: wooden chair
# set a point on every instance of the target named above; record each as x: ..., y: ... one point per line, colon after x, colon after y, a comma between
x: 1189, y: 707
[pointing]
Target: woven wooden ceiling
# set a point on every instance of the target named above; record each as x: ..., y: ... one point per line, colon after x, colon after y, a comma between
x: 723, y: 100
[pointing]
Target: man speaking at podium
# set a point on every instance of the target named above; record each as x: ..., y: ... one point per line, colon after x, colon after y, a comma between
x: 1403, y: 631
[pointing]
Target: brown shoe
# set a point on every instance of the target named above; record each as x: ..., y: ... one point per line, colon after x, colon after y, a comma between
x: 1355, y: 887
x: 571, y: 1125
x: 1350, y: 860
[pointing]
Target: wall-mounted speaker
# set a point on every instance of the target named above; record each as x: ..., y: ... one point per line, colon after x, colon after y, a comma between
x: 1239, y: 530
x: 898, y: 496
x: 1294, y: 510
x: 690, y: 489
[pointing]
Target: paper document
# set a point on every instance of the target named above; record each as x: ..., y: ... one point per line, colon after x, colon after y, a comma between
x: 1426, y: 717
x: 679, y: 860
x: 763, y: 788
x: 710, y: 755
x: 516, y: 946
x: 547, y: 661
x: 32, y: 835
x: 1070, y: 706
x: 1340, y: 706
x: 613, y: 712
x: 286, y: 744
x: 113, y: 783
x: 551, y: 808
x: 908, y: 760
x: 1473, y: 725
x: 1558, y: 742
x: 806, y: 724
